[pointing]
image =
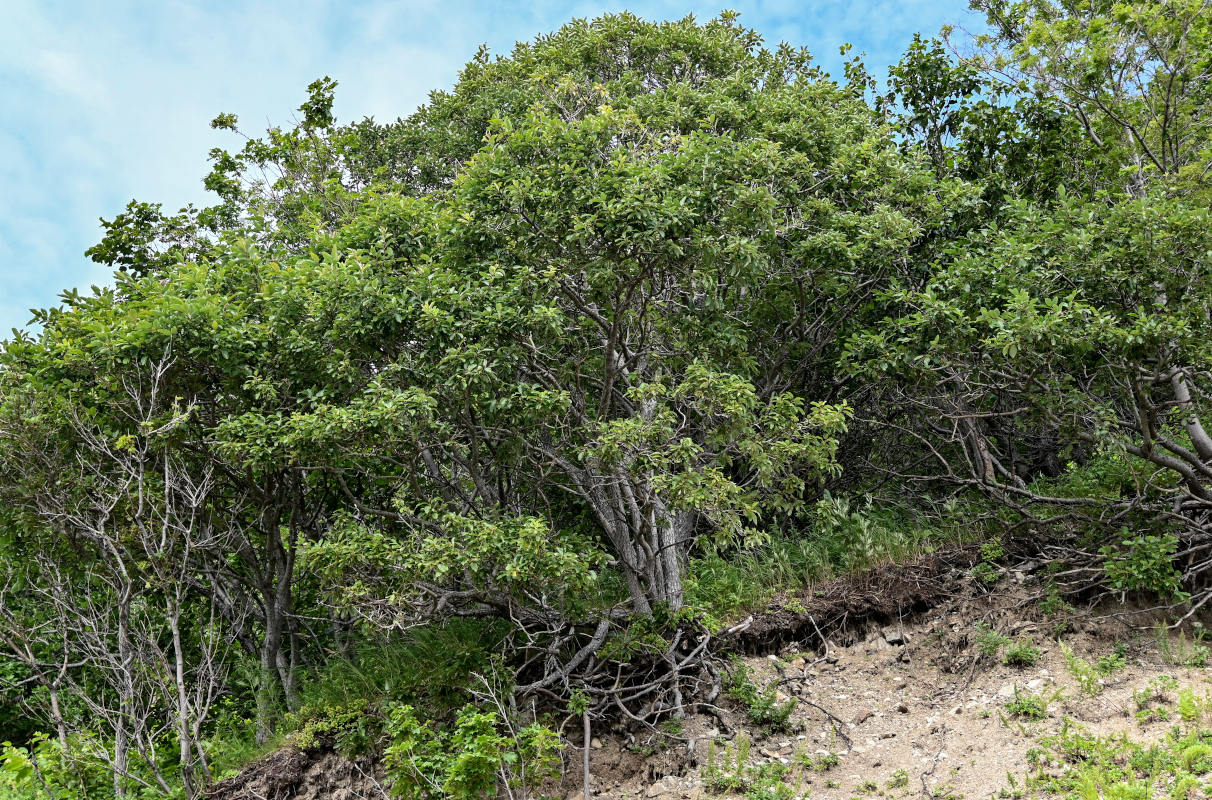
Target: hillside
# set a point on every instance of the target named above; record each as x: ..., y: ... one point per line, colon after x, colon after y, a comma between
x: 987, y: 692
x: 650, y: 386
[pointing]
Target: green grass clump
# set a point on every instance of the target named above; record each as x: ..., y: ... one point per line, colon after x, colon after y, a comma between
x: 761, y: 705
x: 1028, y: 706
x: 1120, y: 768
x: 1022, y: 654
x: 988, y: 640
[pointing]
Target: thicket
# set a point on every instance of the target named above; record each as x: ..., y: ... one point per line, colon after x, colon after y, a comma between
x: 443, y: 437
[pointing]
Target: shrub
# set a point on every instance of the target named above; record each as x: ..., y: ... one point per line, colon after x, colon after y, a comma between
x: 471, y: 760
x: 1143, y: 563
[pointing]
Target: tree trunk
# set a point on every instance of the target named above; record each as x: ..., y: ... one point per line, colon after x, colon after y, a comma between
x: 1200, y: 439
x: 184, y: 740
x: 126, y: 693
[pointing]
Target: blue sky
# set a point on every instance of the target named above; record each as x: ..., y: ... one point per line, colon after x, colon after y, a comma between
x: 102, y: 102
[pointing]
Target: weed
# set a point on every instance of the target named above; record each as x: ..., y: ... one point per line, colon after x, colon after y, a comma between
x: 1053, y: 605
x: 987, y: 570
x: 821, y: 762
x: 1191, y: 708
x: 733, y: 773
x: 762, y: 705
x: 899, y: 780
x: 1088, y: 678
x: 1197, y: 759
x: 1155, y: 691
x: 1022, y: 654
x: 1028, y: 706
x: 1179, y: 652
x: 988, y: 640
x: 1080, y: 765
x: 1113, y: 662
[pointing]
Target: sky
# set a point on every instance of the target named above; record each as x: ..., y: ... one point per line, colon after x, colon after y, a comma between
x: 107, y: 101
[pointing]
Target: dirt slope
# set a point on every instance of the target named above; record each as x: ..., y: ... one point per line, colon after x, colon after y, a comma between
x: 911, y: 710
x: 894, y: 699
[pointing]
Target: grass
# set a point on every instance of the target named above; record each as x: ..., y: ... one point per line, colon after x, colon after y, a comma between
x: 761, y: 704
x: 1022, y: 654
x: 1075, y: 763
x: 1028, y: 706
x: 726, y: 582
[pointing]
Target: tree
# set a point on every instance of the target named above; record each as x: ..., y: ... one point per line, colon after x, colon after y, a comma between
x: 1135, y: 75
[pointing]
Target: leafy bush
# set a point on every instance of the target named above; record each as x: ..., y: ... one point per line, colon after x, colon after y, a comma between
x: 471, y: 760
x: 66, y: 774
x: 1143, y: 563
x: 353, y: 729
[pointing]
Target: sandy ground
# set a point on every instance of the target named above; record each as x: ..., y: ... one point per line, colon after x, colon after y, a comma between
x: 910, y: 711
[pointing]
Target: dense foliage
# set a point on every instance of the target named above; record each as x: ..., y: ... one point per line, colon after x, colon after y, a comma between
x: 545, y: 381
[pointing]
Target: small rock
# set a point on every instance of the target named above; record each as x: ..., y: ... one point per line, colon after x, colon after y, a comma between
x: 1007, y: 690
x: 595, y: 743
x: 956, y: 710
x: 895, y: 635
x: 901, y: 708
x: 1035, y: 685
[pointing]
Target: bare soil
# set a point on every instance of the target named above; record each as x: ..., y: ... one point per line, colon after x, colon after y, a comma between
x: 908, y: 706
x: 893, y: 697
